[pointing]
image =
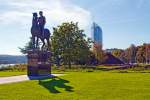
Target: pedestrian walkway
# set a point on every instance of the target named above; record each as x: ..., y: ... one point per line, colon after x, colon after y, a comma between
x: 20, y: 78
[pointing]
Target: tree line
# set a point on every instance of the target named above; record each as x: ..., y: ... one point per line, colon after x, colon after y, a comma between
x: 134, y: 54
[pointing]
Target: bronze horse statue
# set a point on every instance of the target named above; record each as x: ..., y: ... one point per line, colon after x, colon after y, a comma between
x: 36, y: 33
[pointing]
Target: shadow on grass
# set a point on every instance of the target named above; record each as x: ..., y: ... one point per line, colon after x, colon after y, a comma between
x: 52, y: 83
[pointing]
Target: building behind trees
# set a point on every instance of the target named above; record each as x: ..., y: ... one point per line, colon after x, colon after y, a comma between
x: 97, y: 42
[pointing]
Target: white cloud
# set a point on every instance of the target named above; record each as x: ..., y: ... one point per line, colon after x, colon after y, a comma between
x: 56, y: 12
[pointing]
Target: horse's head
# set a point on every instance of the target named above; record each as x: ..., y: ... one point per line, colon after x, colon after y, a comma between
x: 34, y: 20
x: 35, y: 14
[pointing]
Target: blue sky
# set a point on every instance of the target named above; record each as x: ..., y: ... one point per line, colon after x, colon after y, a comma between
x: 123, y: 22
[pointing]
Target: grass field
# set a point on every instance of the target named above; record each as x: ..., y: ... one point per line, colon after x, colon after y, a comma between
x: 11, y: 73
x: 102, y: 85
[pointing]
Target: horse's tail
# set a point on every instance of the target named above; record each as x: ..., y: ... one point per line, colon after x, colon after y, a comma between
x: 47, y: 33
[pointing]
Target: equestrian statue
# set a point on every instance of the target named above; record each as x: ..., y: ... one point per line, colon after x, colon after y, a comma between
x: 39, y: 32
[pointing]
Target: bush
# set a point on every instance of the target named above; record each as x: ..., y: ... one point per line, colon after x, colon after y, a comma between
x: 17, y: 67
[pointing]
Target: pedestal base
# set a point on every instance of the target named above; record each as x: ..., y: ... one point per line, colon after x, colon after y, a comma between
x: 38, y: 63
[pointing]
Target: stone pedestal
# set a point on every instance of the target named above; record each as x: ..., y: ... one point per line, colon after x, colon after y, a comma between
x: 38, y: 63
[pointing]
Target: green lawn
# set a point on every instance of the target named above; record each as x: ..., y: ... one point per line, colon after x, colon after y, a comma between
x: 103, y: 85
x: 11, y: 73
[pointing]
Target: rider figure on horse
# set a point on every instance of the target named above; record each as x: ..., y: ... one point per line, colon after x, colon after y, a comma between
x: 38, y: 31
x: 41, y: 22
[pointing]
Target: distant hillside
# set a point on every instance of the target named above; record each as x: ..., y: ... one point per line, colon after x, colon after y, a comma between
x: 11, y: 59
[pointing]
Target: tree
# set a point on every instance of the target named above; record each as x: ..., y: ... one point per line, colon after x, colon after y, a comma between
x: 98, y: 52
x: 68, y: 42
x: 117, y: 53
x: 27, y: 47
x: 140, y: 55
x: 129, y: 54
x: 147, y: 46
x: 132, y: 53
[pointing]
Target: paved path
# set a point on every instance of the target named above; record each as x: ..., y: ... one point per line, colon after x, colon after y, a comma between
x: 12, y: 79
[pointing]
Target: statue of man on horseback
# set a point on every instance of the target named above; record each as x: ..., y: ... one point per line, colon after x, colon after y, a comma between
x: 39, y: 32
x: 42, y: 22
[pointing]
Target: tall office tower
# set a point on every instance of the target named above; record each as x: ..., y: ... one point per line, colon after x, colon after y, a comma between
x: 97, y: 39
x: 97, y: 34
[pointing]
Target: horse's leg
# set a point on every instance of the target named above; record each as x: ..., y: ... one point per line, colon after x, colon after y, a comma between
x: 48, y: 43
x: 33, y: 42
x: 37, y: 42
x: 43, y: 43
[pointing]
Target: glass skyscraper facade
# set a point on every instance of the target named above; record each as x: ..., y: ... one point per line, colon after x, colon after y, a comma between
x: 97, y: 34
